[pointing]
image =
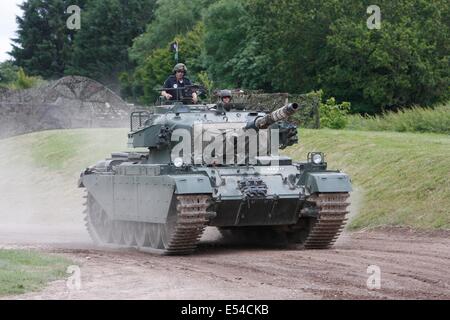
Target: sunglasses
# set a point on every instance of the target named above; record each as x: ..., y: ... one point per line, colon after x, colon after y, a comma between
x: 180, y: 71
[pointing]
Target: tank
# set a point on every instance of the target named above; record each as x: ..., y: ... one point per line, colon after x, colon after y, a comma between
x: 208, y: 165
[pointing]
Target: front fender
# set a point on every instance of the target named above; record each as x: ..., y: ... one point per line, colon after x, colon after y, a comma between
x: 192, y: 184
x: 328, y: 182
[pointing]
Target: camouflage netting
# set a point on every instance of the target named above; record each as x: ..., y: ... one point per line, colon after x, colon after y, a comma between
x: 307, y: 117
x: 71, y: 102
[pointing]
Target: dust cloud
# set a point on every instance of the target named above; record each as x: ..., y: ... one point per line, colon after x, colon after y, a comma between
x: 37, y: 205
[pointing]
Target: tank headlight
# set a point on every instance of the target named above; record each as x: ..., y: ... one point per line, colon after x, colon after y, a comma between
x: 317, y: 158
x: 178, y: 162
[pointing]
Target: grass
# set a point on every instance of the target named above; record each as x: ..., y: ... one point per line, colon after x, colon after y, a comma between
x: 417, y: 119
x: 404, y: 178
x: 63, y: 150
x: 23, y: 271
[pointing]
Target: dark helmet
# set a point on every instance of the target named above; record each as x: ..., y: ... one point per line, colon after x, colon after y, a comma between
x: 225, y: 93
x: 180, y: 66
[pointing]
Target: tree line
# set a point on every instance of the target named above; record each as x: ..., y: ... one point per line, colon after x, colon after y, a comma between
x: 294, y: 46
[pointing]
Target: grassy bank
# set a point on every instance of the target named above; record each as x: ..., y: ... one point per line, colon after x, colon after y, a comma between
x: 417, y: 119
x: 23, y: 271
x: 69, y: 149
x: 404, y: 178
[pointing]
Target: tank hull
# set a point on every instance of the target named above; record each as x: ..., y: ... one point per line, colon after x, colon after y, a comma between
x: 149, y: 207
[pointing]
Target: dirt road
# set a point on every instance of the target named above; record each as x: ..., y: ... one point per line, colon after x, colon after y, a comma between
x: 412, y: 265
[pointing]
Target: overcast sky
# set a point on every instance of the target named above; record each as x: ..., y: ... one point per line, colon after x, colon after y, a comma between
x: 8, y: 27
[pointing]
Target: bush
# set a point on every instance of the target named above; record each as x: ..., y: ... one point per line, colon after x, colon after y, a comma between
x: 332, y: 115
x: 8, y: 73
x: 23, y: 81
x: 417, y: 119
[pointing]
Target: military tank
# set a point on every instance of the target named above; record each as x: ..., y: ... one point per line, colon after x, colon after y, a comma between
x: 200, y: 165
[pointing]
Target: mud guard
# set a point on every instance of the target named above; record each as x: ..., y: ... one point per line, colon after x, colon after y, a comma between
x: 192, y: 184
x: 328, y: 182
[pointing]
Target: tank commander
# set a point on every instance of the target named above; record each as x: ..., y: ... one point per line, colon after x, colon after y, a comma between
x: 176, y: 81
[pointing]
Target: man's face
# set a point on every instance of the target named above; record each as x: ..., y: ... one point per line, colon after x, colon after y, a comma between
x: 180, y: 74
x: 226, y: 99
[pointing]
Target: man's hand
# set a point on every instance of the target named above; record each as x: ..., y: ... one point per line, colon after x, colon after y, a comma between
x: 167, y: 95
x: 194, y: 98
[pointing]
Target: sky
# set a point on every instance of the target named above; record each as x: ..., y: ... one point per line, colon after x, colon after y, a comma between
x: 8, y: 27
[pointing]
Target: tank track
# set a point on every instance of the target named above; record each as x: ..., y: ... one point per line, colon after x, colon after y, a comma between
x: 192, y: 219
x: 332, y: 211
x: 181, y: 233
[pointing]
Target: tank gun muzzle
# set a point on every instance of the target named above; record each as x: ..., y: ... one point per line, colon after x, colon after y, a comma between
x: 275, y: 116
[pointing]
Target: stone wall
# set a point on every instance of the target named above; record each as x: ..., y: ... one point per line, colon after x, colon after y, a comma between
x: 71, y: 102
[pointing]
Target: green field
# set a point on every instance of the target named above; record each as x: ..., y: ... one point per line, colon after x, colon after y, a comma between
x: 403, y: 179
x: 23, y: 271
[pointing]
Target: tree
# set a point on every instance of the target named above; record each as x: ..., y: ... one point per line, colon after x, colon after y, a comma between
x: 108, y: 29
x: 303, y: 45
x: 404, y: 63
x: 43, y: 43
x: 225, y: 27
x: 172, y: 18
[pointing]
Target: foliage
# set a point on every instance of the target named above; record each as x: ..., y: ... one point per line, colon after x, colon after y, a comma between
x: 100, y: 49
x: 43, y: 45
x: 206, y: 82
x: 303, y: 45
x: 332, y: 115
x: 24, y: 81
x: 314, y: 113
x: 283, y: 46
x: 404, y: 63
x: 223, y: 39
x: 153, y: 72
x: 155, y: 69
x: 172, y: 18
x: 8, y: 73
x: 405, y: 120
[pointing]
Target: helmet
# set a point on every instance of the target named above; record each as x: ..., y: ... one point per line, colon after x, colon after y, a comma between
x: 180, y: 66
x: 225, y: 93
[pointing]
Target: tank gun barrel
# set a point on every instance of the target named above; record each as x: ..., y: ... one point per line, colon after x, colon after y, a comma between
x: 278, y: 115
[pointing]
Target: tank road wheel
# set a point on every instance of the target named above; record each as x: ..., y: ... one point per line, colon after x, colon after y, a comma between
x: 323, y: 231
x: 97, y: 222
x: 187, y: 219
